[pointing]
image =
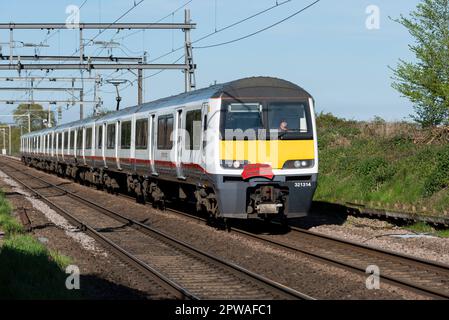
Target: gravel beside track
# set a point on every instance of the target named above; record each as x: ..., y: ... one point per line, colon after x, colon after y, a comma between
x: 295, y: 269
x: 197, y: 274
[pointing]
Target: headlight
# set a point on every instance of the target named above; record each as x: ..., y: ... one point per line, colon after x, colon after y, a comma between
x: 298, y: 164
x: 234, y: 164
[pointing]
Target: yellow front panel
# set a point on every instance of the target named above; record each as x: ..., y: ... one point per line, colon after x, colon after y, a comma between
x: 273, y: 152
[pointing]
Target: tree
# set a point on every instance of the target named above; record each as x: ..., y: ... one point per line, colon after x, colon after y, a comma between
x: 426, y: 82
x: 38, y: 116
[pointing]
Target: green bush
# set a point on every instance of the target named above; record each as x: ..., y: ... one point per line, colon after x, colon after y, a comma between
x: 374, y: 172
x: 439, y: 178
x: 378, y: 162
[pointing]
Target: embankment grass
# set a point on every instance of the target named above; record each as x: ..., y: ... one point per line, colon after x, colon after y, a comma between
x: 28, y: 270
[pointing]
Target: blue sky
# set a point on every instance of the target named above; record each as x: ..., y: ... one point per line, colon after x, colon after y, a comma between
x: 327, y: 49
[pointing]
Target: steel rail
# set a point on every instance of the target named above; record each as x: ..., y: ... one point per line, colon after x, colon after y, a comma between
x: 383, y: 253
x: 165, y: 282
x: 269, y: 284
x: 346, y: 265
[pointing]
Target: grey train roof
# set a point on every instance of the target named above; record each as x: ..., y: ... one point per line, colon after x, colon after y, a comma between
x: 254, y: 86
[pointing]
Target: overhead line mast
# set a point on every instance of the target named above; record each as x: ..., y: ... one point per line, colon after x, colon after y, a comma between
x: 110, y: 63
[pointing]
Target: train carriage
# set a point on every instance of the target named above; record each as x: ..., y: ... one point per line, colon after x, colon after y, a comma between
x: 243, y: 149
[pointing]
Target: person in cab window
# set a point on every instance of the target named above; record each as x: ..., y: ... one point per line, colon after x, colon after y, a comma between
x: 283, y: 126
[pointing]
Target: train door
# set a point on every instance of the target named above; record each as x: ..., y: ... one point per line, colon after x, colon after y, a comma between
x: 79, y: 144
x: 178, y: 144
x: 98, y: 160
x: 152, y: 142
x: 65, y: 144
x: 57, y: 148
x: 141, y: 145
x: 83, y: 145
x: 117, y: 147
x: 204, y: 127
x: 163, y: 154
x: 125, y: 144
x: 191, y: 156
x: 102, y: 143
x: 87, y: 144
x: 111, y: 145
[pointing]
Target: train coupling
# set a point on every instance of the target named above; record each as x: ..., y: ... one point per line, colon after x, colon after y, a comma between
x: 266, y: 200
x: 269, y: 208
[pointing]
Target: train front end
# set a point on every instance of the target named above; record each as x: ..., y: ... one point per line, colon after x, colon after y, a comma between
x: 268, y: 155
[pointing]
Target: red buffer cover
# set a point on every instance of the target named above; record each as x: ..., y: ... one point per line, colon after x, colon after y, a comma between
x: 257, y: 170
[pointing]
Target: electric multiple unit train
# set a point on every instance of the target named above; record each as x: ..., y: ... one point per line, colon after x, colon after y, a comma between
x: 243, y: 149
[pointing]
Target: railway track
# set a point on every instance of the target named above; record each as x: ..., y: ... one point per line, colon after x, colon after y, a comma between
x: 183, y: 270
x: 411, y: 273
x: 418, y: 275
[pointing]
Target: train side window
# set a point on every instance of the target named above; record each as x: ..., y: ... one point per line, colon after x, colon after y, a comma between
x: 110, y: 132
x: 88, y: 144
x: 100, y: 136
x: 66, y: 140
x: 141, y: 134
x: 72, y: 139
x: 161, y: 132
x: 125, y: 135
x: 59, y: 141
x: 164, y: 131
x: 168, y: 141
x: 193, y: 130
x: 79, y: 138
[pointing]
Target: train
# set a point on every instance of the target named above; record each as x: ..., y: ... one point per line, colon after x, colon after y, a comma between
x: 238, y: 150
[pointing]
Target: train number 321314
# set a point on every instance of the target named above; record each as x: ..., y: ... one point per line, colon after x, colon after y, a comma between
x: 303, y: 184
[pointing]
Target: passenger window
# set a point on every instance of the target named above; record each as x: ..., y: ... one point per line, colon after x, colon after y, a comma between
x: 88, y: 144
x: 72, y: 139
x: 160, y: 133
x: 66, y: 140
x: 100, y: 136
x: 141, y: 134
x: 125, y: 135
x: 193, y: 130
x: 110, y: 136
x: 164, y: 131
x: 168, y: 141
x: 59, y: 141
x: 79, y: 139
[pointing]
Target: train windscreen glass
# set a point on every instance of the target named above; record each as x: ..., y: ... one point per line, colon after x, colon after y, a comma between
x: 269, y: 120
x: 287, y: 117
x: 244, y: 116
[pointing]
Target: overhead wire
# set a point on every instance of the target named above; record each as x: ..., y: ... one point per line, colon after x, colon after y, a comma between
x: 260, y: 30
x: 216, y: 31
x: 135, y: 32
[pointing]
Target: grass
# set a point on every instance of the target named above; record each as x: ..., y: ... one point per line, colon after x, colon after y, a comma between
x: 380, y: 165
x: 28, y: 270
x: 7, y: 223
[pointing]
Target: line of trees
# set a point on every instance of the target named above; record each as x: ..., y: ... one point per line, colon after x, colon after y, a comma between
x: 38, y: 121
x: 38, y: 116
